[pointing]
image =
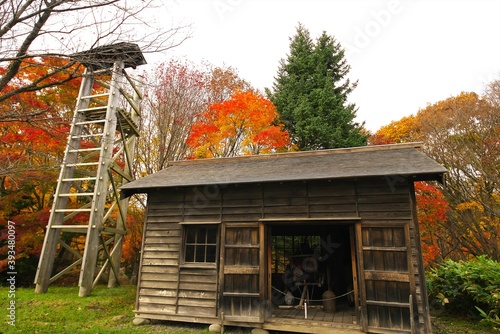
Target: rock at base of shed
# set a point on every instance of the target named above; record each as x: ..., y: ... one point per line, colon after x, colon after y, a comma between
x: 141, y: 321
x: 214, y: 328
x: 259, y: 331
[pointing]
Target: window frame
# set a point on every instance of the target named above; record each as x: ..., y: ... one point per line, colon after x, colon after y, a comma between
x: 185, y: 228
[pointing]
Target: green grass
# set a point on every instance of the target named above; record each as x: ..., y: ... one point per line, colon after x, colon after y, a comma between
x: 444, y: 323
x: 60, y: 311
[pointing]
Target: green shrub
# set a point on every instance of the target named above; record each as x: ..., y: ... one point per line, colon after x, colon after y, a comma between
x: 467, y: 287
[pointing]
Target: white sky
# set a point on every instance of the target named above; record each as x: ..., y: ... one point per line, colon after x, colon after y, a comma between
x: 405, y: 53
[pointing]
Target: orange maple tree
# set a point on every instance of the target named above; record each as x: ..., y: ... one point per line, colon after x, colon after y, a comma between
x: 132, y: 242
x: 33, y: 131
x: 243, y: 125
x: 462, y: 134
x: 37, y: 104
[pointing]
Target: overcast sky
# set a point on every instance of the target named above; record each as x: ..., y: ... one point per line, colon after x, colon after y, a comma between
x: 404, y: 53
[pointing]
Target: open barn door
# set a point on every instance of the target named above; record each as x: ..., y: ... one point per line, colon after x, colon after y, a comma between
x: 243, y: 272
x: 386, y: 280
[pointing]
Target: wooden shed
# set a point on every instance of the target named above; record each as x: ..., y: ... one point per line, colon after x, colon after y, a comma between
x: 309, y: 242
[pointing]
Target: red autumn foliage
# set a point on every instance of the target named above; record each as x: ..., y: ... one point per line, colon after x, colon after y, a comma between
x: 432, y: 211
x: 33, y: 131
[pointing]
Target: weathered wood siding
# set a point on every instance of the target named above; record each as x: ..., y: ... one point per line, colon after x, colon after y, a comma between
x: 166, y: 287
x: 389, y: 258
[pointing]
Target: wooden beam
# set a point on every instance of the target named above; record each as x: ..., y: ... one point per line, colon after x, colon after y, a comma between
x: 287, y: 220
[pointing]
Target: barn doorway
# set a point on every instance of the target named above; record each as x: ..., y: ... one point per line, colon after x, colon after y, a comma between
x: 312, y: 266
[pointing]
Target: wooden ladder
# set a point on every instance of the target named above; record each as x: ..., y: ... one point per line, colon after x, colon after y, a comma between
x: 97, y: 160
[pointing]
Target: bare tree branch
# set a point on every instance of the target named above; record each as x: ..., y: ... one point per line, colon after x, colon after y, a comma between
x: 41, y: 28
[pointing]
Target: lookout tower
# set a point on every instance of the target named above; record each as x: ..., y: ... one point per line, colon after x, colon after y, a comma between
x: 97, y: 161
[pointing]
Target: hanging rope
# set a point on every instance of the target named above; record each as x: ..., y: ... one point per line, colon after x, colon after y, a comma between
x: 315, y: 300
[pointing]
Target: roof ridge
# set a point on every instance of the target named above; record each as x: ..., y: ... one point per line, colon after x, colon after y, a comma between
x: 413, y: 145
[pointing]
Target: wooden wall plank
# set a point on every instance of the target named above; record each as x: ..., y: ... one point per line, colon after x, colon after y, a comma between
x: 165, y: 287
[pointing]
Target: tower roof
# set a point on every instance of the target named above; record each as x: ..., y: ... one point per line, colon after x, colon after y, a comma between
x: 104, y: 56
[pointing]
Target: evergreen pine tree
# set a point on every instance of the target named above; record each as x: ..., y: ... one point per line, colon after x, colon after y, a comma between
x: 310, y: 93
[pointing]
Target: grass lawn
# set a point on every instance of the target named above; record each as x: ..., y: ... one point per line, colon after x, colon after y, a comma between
x: 448, y: 324
x: 60, y: 310
x: 111, y: 311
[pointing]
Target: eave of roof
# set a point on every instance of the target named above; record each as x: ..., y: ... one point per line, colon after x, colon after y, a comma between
x: 369, y: 161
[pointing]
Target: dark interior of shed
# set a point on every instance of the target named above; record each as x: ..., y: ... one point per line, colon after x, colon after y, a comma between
x: 307, y: 260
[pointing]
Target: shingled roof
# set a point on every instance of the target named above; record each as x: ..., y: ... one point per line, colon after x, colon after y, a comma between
x: 368, y: 161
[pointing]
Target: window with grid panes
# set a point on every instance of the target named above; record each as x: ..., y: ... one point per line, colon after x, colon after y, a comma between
x: 200, y: 243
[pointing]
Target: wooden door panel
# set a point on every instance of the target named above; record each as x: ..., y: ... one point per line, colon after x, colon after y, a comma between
x: 242, y: 291
x: 385, y: 277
